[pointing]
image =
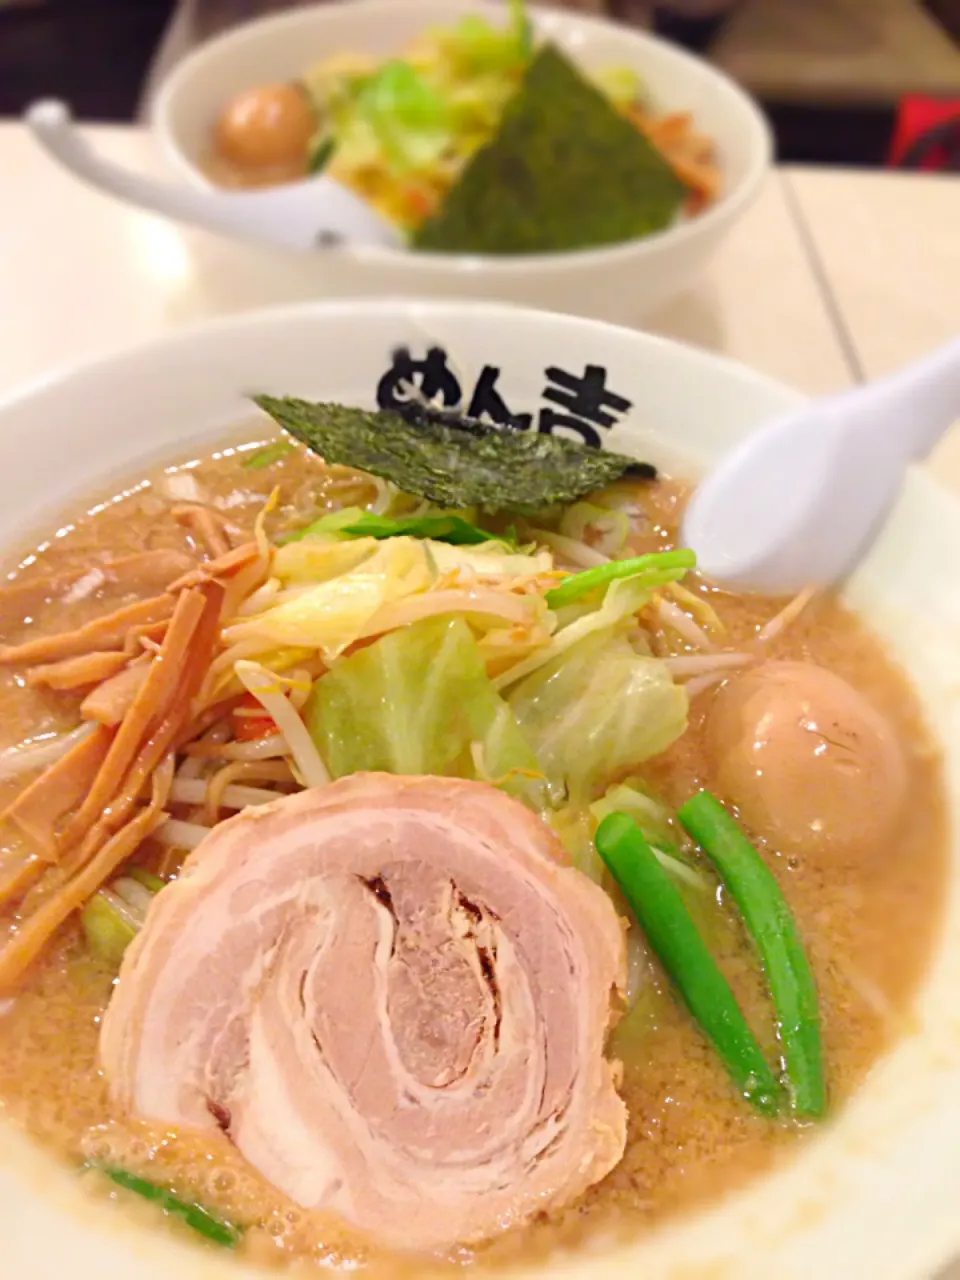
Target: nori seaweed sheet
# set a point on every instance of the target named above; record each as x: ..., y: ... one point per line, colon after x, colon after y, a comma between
x: 564, y: 171
x: 453, y: 461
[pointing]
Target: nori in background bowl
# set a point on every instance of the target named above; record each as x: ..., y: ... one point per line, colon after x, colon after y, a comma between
x: 564, y: 171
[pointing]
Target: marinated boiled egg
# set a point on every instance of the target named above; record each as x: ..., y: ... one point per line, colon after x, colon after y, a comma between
x: 266, y: 127
x: 810, y: 763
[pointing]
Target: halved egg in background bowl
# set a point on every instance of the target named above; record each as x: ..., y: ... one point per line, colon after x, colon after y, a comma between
x: 620, y: 282
x: 873, y: 1191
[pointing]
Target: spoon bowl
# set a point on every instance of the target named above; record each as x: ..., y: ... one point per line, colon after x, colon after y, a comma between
x: 799, y: 503
x: 316, y: 213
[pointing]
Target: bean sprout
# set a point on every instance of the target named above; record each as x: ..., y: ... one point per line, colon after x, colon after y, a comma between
x: 194, y: 791
x: 260, y: 599
x: 788, y: 614
x: 263, y: 685
x: 270, y: 747
x: 180, y: 835
x: 705, y: 664
x: 700, y: 683
x: 576, y: 553
x: 39, y: 753
x: 671, y: 615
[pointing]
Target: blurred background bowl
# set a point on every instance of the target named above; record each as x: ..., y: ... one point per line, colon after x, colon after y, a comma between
x: 623, y: 282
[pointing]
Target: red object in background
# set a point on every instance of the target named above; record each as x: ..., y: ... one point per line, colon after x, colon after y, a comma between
x: 926, y: 135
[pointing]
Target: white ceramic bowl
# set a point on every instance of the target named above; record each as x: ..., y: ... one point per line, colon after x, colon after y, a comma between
x: 624, y: 282
x: 876, y: 1194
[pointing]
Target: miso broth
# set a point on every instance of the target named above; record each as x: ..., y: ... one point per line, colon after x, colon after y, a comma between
x: 867, y: 919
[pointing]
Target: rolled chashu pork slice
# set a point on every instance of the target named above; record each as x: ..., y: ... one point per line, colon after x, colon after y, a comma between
x: 393, y: 997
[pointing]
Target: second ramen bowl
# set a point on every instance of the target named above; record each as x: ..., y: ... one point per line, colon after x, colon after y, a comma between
x: 623, y: 282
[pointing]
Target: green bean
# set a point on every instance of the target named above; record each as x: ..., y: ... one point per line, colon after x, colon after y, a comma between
x: 194, y: 1215
x: 669, y: 929
x: 770, y: 923
x: 657, y: 566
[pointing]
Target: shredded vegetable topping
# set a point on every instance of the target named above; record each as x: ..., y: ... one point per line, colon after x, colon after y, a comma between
x: 403, y: 129
x: 428, y: 641
x: 376, y: 630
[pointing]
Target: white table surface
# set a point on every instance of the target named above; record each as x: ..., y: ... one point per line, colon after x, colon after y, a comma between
x: 80, y: 273
x: 833, y: 276
x: 887, y: 247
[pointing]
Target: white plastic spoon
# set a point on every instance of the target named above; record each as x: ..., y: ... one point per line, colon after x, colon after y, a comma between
x: 799, y: 502
x: 315, y: 213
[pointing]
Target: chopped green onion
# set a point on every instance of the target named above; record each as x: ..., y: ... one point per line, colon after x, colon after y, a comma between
x: 656, y: 568
x: 321, y: 152
x: 612, y: 526
x: 146, y: 878
x: 115, y: 914
x: 193, y: 1214
x: 669, y: 928
x: 439, y: 526
x: 268, y: 455
x: 332, y: 524
x: 108, y: 926
x: 771, y: 924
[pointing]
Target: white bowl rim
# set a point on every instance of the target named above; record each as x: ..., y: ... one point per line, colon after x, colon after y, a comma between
x: 930, y: 1230
x: 724, y: 210
x: 385, y: 305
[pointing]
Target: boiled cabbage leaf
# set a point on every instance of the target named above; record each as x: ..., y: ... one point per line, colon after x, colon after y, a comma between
x: 418, y: 701
x: 596, y: 709
x: 654, y: 819
x: 320, y: 558
x: 576, y: 825
x: 400, y: 114
x: 490, y: 560
x: 334, y: 605
x: 475, y: 45
x: 577, y: 621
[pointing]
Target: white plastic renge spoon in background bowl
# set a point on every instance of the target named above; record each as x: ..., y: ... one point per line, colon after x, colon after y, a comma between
x: 311, y: 214
x: 798, y: 503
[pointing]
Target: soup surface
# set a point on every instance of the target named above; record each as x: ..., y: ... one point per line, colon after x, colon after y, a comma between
x: 867, y: 913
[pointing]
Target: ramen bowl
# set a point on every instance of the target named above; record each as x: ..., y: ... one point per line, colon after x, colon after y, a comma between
x: 874, y: 1193
x: 622, y: 282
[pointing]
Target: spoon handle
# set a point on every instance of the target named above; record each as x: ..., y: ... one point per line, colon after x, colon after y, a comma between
x: 314, y: 214
x: 938, y: 397
x: 50, y: 122
x: 915, y: 406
